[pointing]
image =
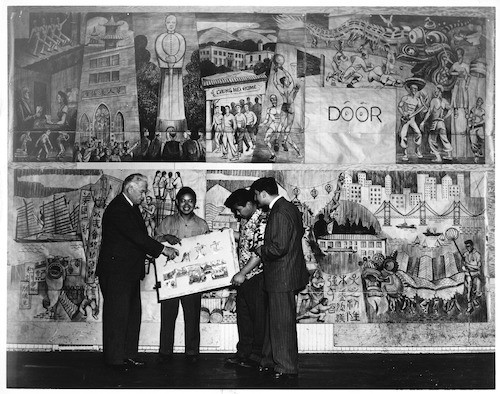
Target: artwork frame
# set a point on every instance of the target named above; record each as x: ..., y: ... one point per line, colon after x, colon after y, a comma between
x: 216, y: 263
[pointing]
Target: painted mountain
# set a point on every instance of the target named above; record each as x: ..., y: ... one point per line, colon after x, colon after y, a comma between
x: 254, y: 35
x: 216, y: 35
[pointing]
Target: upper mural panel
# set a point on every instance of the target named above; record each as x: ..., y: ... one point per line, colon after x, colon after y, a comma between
x: 126, y: 88
x: 414, y: 87
x: 251, y: 87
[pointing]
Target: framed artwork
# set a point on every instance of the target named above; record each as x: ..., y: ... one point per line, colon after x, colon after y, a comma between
x: 205, y: 262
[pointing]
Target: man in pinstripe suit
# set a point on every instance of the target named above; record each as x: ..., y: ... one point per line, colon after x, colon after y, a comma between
x: 284, y: 274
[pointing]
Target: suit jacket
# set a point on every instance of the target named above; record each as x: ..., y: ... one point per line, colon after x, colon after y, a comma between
x: 125, y: 241
x: 282, y: 255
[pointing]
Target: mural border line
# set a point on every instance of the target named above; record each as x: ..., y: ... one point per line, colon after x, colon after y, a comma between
x: 339, y: 349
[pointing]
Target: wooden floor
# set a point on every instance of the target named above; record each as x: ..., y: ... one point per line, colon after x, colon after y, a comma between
x: 81, y: 369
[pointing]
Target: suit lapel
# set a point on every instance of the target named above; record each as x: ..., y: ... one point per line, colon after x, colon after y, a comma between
x: 138, y: 216
x: 136, y: 213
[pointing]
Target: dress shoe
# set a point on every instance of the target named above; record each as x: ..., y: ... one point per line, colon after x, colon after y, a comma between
x: 263, y: 369
x: 284, y: 376
x: 248, y: 363
x: 192, y: 358
x: 133, y: 363
x: 234, y: 360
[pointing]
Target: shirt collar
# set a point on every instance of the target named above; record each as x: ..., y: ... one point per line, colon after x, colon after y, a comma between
x: 255, y: 215
x: 273, y: 202
x: 128, y: 199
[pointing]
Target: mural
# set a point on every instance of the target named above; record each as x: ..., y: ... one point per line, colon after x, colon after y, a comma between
x: 429, y: 74
x: 117, y: 93
x: 250, y: 87
x: 46, y: 89
x: 170, y: 100
x: 381, y: 126
x: 380, y: 246
x: 56, y: 235
x: 236, y: 52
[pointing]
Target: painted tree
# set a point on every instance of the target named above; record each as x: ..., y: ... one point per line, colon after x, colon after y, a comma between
x: 263, y: 67
x: 194, y: 95
x: 148, y: 84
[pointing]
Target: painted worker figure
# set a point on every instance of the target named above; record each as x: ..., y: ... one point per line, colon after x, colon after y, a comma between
x: 439, y: 110
x: 472, y: 266
x: 476, y: 128
x: 273, y: 124
x: 409, y: 106
x: 288, y: 90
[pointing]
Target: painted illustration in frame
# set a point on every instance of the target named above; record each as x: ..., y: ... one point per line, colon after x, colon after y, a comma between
x: 205, y: 262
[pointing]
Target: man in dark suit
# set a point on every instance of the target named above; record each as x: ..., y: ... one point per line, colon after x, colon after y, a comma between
x: 285, y: 273
x: 121, y: 266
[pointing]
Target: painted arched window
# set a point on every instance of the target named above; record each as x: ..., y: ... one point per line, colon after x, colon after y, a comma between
x: 119, y: 128
x: 84, y: 128
x: 102, y: 124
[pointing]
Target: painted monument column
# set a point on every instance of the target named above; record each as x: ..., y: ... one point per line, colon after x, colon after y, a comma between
x: 170, y: 50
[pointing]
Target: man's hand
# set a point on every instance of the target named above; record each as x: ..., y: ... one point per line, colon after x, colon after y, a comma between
x: 171, y: 239
x: 171, y: 253
x: 238, y: 279
x: 258, y: 251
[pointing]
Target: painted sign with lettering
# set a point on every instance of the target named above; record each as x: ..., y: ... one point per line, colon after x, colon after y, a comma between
x: 344, y: 125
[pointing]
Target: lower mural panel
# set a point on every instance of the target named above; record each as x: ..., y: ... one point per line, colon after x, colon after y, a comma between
x: 380, y: 246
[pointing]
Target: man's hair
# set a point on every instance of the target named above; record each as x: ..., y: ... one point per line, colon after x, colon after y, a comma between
x: 469, y: 242
x: 239, y: 198
x: 268, y: 184
x: 185, y: 190
x: 133, y: 178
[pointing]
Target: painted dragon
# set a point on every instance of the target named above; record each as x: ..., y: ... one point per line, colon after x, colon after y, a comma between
x: 427, y: 46
x: 349, y: 31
